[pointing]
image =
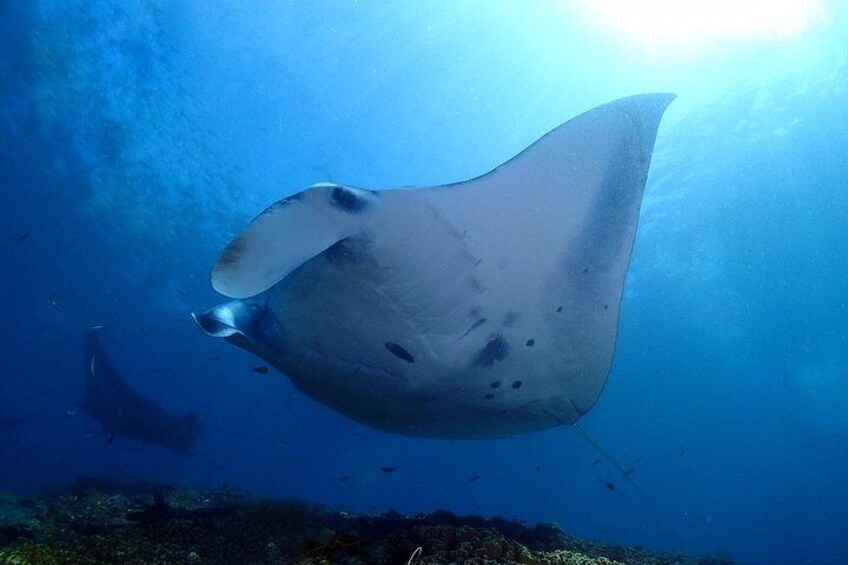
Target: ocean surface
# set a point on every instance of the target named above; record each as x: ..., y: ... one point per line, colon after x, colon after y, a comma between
x: 138, y: 137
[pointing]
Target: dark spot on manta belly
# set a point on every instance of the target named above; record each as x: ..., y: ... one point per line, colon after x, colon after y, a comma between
x: 496, y: 349
x: 489, y: 396
x: 531, y: 342
x: 347, y: 200
x: 400, y: 352
x: 517, y: 384
x: 559, y: 309
x: 495, y: 384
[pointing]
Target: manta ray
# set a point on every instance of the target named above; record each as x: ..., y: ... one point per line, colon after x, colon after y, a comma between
x: 479, y: 309
x: 123, y: 411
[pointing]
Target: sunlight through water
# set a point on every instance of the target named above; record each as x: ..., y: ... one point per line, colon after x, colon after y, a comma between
x: 703, y: 26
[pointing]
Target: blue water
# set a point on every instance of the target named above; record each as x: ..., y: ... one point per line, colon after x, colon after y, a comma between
x: 138, y: 137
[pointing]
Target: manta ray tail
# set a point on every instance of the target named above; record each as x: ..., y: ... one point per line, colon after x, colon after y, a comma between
x: 625, y: 474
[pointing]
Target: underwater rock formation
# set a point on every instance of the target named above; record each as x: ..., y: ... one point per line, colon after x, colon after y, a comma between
x: 176, y: 525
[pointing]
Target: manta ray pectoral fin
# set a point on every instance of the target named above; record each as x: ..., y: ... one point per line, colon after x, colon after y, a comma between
x: 288, y: 234
x: 553, y: 228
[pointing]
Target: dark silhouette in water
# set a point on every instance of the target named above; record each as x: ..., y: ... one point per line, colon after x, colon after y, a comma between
x: 125, y: 412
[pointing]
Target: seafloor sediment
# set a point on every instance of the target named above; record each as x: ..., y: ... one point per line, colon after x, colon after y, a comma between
x: 103, y: 522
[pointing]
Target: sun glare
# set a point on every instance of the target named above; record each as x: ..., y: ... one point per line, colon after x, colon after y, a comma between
x: 698, y: 22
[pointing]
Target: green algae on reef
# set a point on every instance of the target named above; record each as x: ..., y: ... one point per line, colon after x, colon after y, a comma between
x: 170, y: 525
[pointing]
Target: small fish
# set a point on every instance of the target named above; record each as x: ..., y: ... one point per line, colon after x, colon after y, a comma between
x: 475, y: 477
x: 388, y: 469
x: 54, y: 302
x: 110, y: 439
x: 143, y: 328
x: 91, y: 365
x: 681, y: 451
x: 22, y: 237
x: 610, y: 486
x: 69, y: 414
x: 262, y: 369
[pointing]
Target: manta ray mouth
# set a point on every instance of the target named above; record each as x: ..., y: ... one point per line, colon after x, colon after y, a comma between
x: 236, y: 321
x: 212, y: 325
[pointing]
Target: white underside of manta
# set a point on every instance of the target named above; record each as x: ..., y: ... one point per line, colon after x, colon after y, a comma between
x: 480, y: 309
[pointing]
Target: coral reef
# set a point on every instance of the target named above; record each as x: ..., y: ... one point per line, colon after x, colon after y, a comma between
x: 160, y: 524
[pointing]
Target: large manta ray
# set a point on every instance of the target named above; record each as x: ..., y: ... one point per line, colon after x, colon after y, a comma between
x: 479, y: 309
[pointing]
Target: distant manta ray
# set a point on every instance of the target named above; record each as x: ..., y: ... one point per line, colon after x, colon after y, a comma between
x: 125, y: 412
x: 479, y: 309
